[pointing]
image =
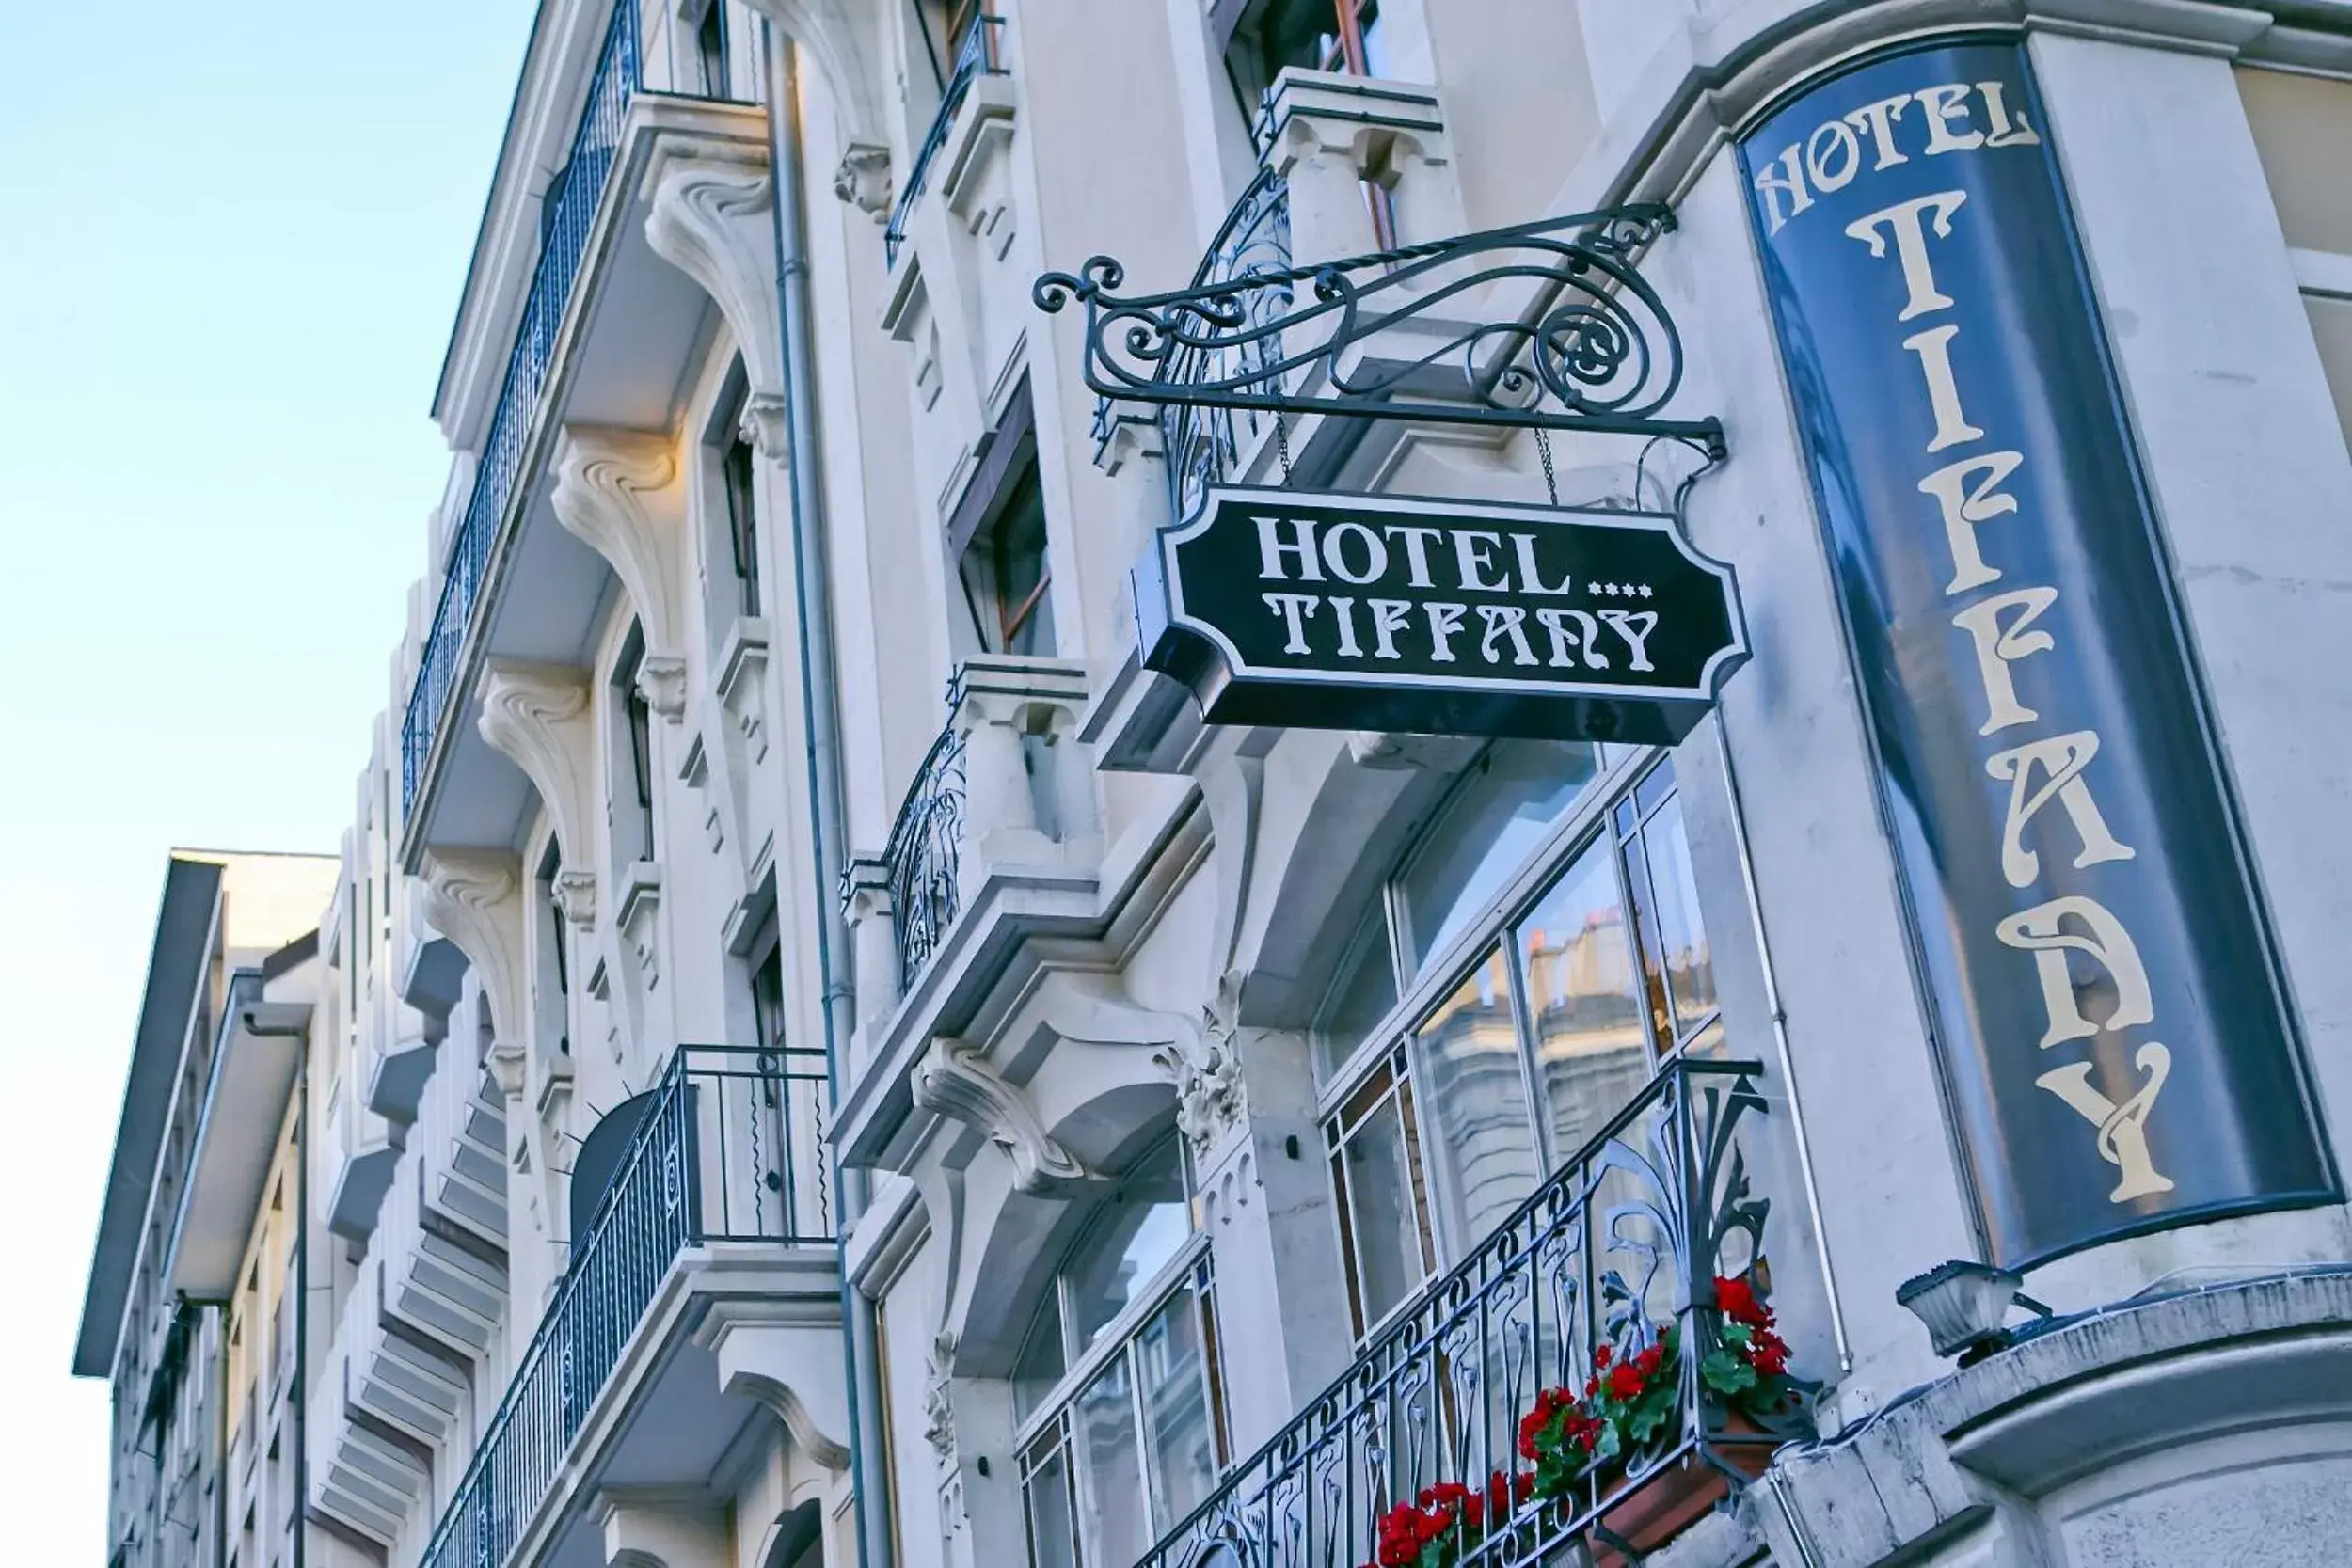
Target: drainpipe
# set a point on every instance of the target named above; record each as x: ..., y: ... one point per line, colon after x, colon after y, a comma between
x: 299, y: 1394
x: 828, y: 809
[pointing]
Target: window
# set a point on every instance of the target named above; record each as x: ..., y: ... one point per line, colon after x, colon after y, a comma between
x: 633, y: 829
x: 944, y: 26
x: 768, y: 993
x: 710, y: 48
x: 1534, y: 958
x: 1265, y: 40
x: 998, y: 537
x: 556, y: 970
x: 1123, y: 1423
x: 735, y: 473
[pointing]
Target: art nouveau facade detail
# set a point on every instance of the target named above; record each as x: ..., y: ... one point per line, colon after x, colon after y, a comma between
x: 844, y: 1065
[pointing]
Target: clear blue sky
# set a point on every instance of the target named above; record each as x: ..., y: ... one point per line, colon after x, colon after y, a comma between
x: 231, y: 239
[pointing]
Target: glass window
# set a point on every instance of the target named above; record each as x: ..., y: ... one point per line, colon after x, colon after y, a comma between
x: 1118, y: 1460
x: 1584, y: 1010
x: 1519, y: 1053
x: 1375, y: 1174
x: 1006, y: 581
x: 736, y: 471
x: 1513, y: 798
x: 1475, y: 1082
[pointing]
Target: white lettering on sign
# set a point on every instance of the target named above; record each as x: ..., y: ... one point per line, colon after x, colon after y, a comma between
x: 2069, y: 933
x: 1946, y: 121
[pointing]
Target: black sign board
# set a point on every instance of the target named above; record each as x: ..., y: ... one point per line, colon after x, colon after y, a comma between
x: 2114, y: 1042
x: 1387, y: 612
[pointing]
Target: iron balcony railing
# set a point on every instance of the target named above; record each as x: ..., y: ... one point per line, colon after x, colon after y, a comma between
x: 566, y: 219
x: 981, y: 55
x: 924, y: 855
x: 1203, y: 443
x: 730, y: 1148
x: 1623, y: 1242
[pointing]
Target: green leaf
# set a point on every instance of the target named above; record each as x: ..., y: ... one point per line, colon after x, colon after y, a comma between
x: 1727, y: 1374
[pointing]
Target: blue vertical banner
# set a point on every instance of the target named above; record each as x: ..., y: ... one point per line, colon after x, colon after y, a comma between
x: 2114, y: 1039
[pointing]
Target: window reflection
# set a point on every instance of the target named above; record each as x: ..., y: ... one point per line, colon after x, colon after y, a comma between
x: 1177, y: 1428
x: 1476, y: 1089
x: 1514, y: 797
x: 1375, y: 1164
x: 1113, y: 1516
x: 1585, y: 1011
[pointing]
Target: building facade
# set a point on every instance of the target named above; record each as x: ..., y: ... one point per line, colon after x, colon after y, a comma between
x: 192, y: 1310
x: 828, y: 1053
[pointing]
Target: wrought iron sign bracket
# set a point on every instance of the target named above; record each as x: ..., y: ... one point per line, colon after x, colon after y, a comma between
x: 1409, y: 334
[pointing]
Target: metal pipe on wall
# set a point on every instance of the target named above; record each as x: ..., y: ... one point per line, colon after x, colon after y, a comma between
x: 828, y: 806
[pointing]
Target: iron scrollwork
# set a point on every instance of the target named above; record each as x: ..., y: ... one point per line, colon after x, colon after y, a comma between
x: 1401, y: 334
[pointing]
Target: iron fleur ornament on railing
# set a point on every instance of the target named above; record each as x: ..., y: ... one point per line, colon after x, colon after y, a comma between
x: 1376, y: 335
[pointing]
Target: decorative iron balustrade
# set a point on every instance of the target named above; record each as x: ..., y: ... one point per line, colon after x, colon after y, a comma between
x: 731, y: 1149
x: 1620, y: 1246
x: 1204, y: 442
x: 981, y: 55
x: 924, y: 856
x: 1379, y: 337
x: 566, y: 220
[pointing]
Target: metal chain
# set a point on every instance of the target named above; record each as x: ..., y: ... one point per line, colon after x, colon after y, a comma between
x: 1282, y: 447
x: 1543, y: 450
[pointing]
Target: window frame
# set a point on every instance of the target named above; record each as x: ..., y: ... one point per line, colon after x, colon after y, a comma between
x: 1048, y: 1427
x: 1591, y: 823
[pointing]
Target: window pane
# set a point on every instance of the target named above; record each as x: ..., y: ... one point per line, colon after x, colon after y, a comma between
x: 1113, y: 1518
x: 1378, y: 1172
x: 1590, y: 1052
x: 1492, y: 825
x: 1476, y: 1093
x: 1178, y: 1433
x: 1690, y: 966
x: 1361, y: 995
x: 1041, y: 1362
x: 1143, y: 1228
x: 1046, y: 1499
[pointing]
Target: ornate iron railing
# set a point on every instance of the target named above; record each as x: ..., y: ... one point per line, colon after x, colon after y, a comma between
x: 1203, y: 443
x: 980, y: 55
x: 924, y: 856
x: 1409, y: 334
x: 731, y: 1149
x: 1626, y: 1239
x: 565, y: 224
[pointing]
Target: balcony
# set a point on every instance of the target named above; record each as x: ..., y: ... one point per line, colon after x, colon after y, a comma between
x: 724, y: 1177
x: 997, y: 839
x: 595, y: 265
x: 981, y: 55
x: 1622, y: 1247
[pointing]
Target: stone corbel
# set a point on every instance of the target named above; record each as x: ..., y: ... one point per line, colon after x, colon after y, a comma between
x: 621, y: 492
x: 1001, y: 703
x: 954, y: 1080
x: 743, y: 686
x: 474, y: 898
x: 939, y: 1409
x: 537, y: 715
x: 709, y: 219
x: 873, y: 937
x: 662, y: 1528
x: 637, y: 944
x: 1335, y: 133
x: 978, y: 184
x: 862, y: 181
x: 782, y: 1348
x: 1205, y: 1067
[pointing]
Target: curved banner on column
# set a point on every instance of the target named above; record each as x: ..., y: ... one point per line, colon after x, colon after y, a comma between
x: 2113, y: 1037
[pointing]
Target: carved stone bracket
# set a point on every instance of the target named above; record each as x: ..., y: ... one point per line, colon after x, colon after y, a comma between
x: 710, y: 221
x: 743, y: 686
x: 863, y: 180
x: 474, y: 898
x: 620, y: 491
x: 954, y: 1080
x: 538, y: 716
x: 659, y: 1528
x: 1205, y: 1067
x: 939, y: 1412
x: 636, y: 936
x: 784, y: 1350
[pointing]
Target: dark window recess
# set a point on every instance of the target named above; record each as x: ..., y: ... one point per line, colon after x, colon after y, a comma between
x: 710, y: 49
x: 559, y: 945
x: 639, y: 718
x: 998, y: 537
x: 552, y: 200
x: 1264, y: 37
x: 768, y: 999
x: 944, y: 24
x: 742, y: 522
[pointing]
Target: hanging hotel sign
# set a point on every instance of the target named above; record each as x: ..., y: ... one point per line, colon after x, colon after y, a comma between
x: 2114, y: 1043
x: 1345, y: 612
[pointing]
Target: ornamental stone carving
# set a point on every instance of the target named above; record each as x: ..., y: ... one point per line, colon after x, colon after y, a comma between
x: 710, y: 221
x: 620, y: 492
x: 939, y: 1414
x: 1210, y: 1099
x: 954, y: 1080
x: 474, y: 898
x: 863, y: 180
x: 537, y: 715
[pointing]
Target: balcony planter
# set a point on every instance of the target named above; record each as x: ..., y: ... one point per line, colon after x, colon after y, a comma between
x: 1647, y: 1514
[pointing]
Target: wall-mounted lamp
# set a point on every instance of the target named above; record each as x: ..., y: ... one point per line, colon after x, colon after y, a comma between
x: 1965, y: 1307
